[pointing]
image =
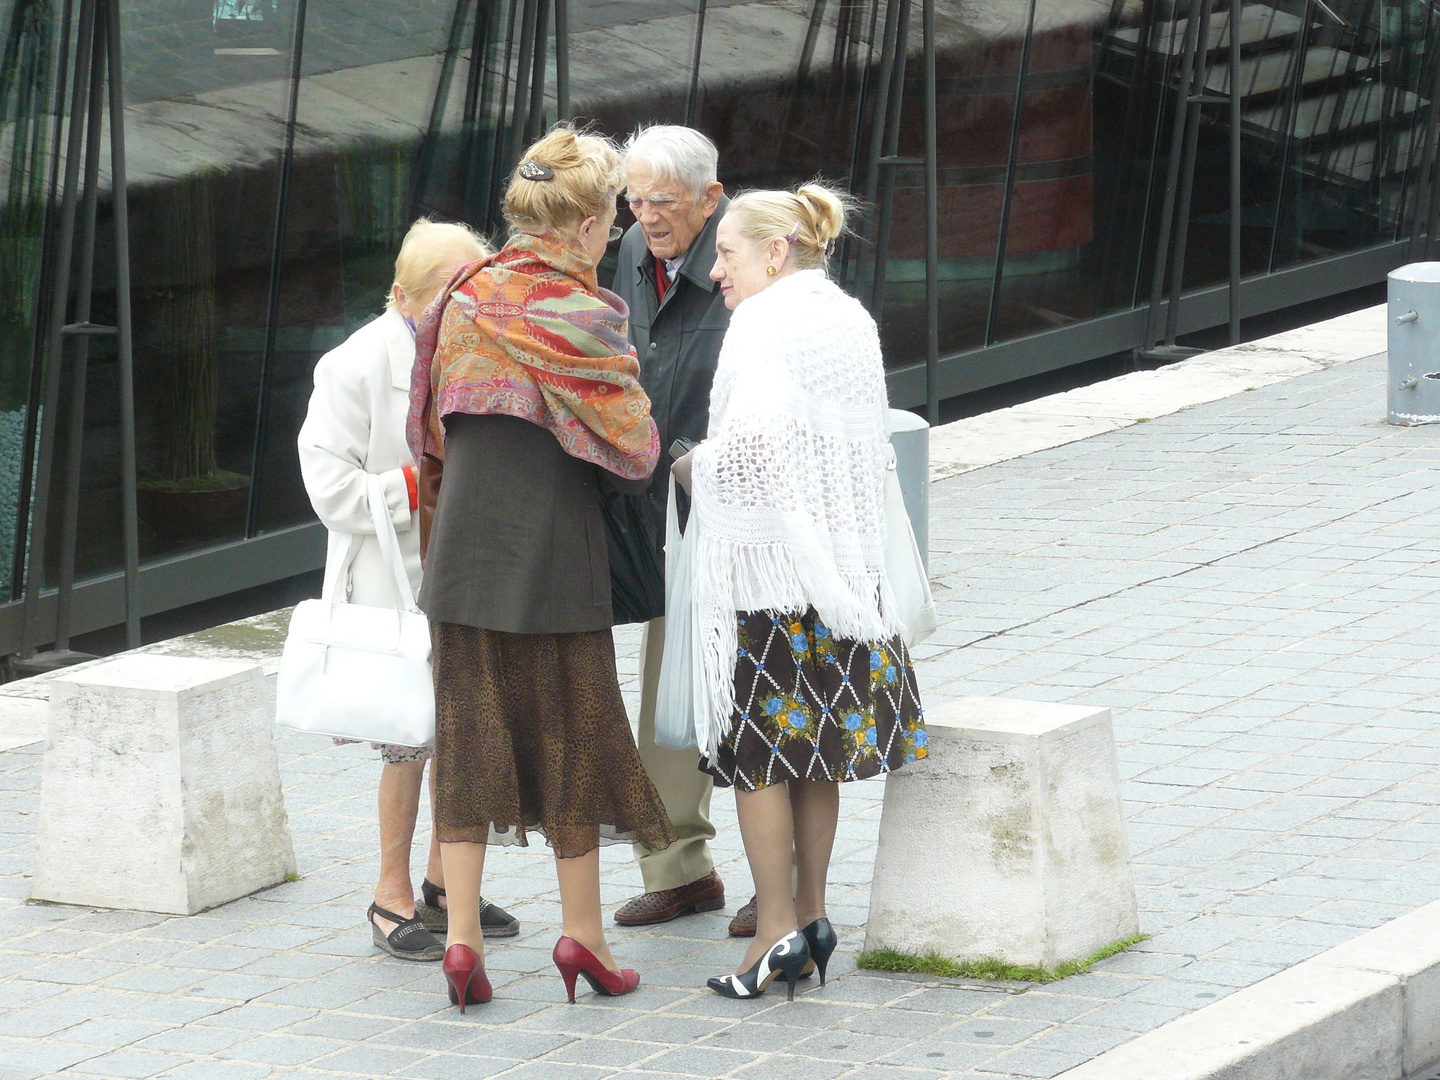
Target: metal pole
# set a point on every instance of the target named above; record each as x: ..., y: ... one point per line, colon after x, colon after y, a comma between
x: 125, y: 365
x: 30, y: 633
x: 535, y: 118
x: 1012, y: 163
x: 562, y: 58
x: 525, y: 62
x: 1235, y: 207
x: 932, y: 224
x: 692, y: 96
x: 887, y: 179
x: 1172, y: 177
x: 84, y: 283
x: 1187, y: 176
x: 277, y: 259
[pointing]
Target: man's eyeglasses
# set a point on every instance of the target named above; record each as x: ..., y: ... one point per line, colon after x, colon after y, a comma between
x: 616, y: 232
x: 658, y: 203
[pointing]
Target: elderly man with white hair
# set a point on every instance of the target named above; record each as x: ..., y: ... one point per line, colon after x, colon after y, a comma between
x: 678, y: 319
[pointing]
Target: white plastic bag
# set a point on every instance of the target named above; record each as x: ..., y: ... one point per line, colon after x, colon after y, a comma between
x: 903, y: 565
x: 357, y: 671
x: 679, y: 667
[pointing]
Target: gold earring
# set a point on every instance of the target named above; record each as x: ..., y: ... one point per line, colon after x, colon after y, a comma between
x: 770, y: 271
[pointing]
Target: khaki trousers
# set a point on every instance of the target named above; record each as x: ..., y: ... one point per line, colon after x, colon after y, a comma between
x: 683, y: 788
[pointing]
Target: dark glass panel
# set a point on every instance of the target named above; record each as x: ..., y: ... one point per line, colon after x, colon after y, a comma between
x: 1346, y: 142
x: 205, y: 124
x: 977, y: 60
x: 27, y: 77
x: 1054, y: 272
x: 368, y: 84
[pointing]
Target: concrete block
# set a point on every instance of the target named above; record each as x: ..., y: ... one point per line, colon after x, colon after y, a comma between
x: 1312, y: 1022
x: 160, y: 788
x: 1008, y: 841
x: 1408, y: 948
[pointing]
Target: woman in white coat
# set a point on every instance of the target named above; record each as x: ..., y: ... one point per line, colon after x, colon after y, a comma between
x: 356, y: 426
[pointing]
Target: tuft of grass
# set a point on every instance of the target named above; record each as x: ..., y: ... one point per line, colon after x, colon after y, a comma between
x: 1250, y: 389
x: 989, y: 969
x: 1143, y: 419
x: 291, y: 875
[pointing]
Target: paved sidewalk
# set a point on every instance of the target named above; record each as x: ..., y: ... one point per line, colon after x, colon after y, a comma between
x: 1250, y: 585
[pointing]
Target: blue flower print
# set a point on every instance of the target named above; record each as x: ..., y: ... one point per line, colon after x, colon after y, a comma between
x: 910, y: 756
x: 797, y: 719
x: 799, y: 643
x: 919, y: 738
x: 890, y: 674
x: 822, y: 631
x: 875, y: 661
x: 853, y: 721
x: 772, y: 706
x: 870, y: 737
x: 739, y: 653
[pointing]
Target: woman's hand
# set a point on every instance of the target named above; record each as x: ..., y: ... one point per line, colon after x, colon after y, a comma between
x: 680, y: 469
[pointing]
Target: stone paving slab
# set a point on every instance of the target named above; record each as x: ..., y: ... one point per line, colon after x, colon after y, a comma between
x: 1250, y: 585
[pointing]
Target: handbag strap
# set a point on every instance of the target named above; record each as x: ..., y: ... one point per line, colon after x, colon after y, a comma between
x: 338, y: 571
x: 389, y: 544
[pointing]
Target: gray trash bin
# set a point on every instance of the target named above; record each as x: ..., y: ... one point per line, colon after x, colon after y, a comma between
x: 1413, y: 393
x: 910, y: 435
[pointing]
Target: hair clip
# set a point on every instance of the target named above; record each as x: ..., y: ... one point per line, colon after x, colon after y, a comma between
x: 793, y: 235
x: 533, y: 170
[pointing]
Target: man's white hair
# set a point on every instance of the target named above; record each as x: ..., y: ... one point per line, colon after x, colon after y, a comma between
x: 678, y: 154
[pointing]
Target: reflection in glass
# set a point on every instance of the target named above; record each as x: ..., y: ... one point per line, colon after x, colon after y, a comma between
x: 26, y: 78
x: 204, y: 132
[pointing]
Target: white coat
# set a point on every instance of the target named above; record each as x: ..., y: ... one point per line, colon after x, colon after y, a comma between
x: 356, y: 425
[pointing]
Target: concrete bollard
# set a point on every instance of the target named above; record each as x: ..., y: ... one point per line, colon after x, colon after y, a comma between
x: 1009, y: 841
x: 910, y: 435
x: 1412, y: 395
x: 160, y: 787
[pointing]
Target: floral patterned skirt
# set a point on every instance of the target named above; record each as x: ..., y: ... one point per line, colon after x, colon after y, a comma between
x: 812, y: 706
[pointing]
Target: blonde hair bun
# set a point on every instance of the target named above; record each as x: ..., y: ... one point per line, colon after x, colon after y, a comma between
x: 823, y: 212
x: 809, y: 218
x: 586, y: 179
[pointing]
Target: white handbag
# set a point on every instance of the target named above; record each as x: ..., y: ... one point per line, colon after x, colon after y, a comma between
x: 355, y: 671
x: 903, y: 566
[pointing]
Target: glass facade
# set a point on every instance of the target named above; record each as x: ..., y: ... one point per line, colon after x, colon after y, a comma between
x: 267, y: 197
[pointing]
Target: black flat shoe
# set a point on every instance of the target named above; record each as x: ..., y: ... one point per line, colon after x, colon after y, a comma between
x: 410, y: 940
x: 785, y: 958
x: 821, y: 939
x: 495, y: 921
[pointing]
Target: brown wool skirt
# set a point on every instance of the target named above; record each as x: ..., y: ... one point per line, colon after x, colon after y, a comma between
x: 531, y: 734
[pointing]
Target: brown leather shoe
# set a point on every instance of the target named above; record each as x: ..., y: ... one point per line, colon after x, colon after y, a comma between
x: 745, y: 920
x: 707, y: 894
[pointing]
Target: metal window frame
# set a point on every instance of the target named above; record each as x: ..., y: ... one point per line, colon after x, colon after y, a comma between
x: 178, y: 581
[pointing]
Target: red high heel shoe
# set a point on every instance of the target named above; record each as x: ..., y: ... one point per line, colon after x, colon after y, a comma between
x: 574, y: 959
x: 466, y: 977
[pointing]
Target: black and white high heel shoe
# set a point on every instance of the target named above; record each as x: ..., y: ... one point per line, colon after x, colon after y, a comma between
x: 821, y: 939
x: 785, y: 958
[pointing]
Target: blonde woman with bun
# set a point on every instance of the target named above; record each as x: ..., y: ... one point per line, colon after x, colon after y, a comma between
x: 525, y: 392
x: 807, y: 680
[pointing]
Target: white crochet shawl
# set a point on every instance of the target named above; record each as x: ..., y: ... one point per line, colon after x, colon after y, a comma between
x: 788, y: 488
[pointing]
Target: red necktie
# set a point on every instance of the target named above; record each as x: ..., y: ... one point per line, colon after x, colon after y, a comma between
x: 662, y: 278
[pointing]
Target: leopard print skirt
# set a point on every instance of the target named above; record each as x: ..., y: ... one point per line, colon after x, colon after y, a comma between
x: 531, y: 735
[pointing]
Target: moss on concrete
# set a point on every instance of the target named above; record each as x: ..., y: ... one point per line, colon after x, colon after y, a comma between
x: 988, y: 969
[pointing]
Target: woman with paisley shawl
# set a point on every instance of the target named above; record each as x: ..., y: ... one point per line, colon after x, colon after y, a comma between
x: 525, y: 391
